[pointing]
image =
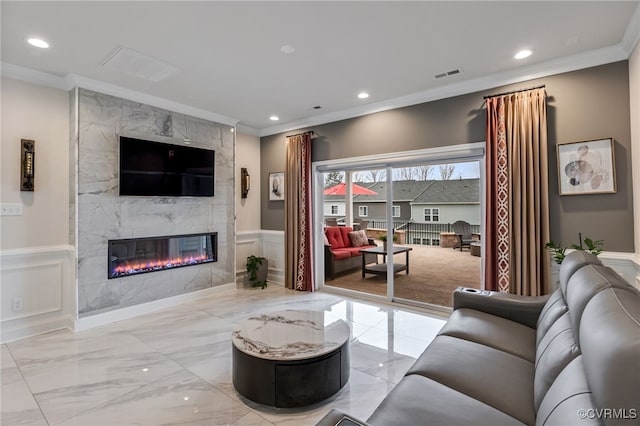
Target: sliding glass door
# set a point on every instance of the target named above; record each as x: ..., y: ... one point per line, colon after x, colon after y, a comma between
x: 354, y: 222
x: 406, y: 205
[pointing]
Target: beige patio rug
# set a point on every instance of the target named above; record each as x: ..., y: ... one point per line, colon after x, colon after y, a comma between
x: 434, y: 273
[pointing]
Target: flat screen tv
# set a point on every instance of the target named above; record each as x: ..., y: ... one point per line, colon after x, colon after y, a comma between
x: 153, y: 168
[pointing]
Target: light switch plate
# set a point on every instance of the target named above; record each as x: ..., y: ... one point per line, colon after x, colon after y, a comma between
x: 11, y: 209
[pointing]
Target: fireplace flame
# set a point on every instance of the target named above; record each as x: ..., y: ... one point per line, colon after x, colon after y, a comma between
x: 138, y: 266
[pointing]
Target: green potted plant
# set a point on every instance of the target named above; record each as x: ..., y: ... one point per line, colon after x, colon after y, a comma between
x: 383, y: 238
x: 257, y: 269
x: 558, y: 253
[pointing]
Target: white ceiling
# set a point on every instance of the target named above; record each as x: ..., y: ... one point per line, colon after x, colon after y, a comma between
x: 230, y: 64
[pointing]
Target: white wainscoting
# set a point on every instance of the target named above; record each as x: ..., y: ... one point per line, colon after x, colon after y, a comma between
x: 268, y: 244
x: 43, y: 280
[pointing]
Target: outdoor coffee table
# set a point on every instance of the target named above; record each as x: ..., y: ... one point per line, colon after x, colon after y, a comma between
x: 381, y: 268
x: 290, y: 359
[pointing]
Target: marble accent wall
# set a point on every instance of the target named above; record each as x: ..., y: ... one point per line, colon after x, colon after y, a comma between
x: 103, y: 215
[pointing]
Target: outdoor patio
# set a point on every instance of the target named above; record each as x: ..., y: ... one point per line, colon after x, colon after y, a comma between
x: 434, y: 273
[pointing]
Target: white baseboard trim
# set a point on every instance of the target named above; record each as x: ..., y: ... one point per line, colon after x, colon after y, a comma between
x: 22, y: 328
x: 145, y: 308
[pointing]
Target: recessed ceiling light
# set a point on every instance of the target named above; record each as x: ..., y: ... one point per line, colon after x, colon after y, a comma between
x: 38, y: 42
x: 363, y: 95
x: 287, y: 49
x: 274, y: 118
x: 523, y: 54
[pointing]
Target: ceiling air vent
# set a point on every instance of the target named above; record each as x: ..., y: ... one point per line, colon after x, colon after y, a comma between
x: 137, y: 64
x: 447, y: 74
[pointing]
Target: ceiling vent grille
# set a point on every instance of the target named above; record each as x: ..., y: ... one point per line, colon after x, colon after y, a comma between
x: 128, y: 61
x: 447, y: 73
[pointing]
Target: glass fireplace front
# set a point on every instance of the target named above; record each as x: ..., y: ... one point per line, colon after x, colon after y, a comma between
x: 140, y: 255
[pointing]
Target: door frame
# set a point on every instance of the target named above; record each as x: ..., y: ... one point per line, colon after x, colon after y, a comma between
x: 454, y: 153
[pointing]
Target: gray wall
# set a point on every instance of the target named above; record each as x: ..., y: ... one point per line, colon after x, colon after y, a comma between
x: 582, y: 105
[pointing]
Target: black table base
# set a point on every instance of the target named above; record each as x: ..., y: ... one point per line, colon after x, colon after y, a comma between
x: 289, y: 384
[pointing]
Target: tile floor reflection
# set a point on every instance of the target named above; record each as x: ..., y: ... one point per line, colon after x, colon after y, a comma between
x: 174, y: 366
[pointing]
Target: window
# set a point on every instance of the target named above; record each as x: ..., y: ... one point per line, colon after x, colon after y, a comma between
x: 334, y: 209
x: 396, y: 211
x: 432, y: 215
x: 435, y: 241
x: 363, y: 211
x: 416, y: 241
x: 425, y: 242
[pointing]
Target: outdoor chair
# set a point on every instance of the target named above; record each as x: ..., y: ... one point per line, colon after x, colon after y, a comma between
x: 331, y: 221
x: 361, y: 224
x: 464, y: 234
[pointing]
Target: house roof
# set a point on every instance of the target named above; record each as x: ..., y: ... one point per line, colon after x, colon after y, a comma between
x: 451, y: 191
x: 425, y: 192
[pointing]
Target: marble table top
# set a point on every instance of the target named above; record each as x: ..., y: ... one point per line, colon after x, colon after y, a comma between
x: 290, y: 335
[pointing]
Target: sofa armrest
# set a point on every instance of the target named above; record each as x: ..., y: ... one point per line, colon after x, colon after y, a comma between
x: 333, y: 418
x: 522, y: 309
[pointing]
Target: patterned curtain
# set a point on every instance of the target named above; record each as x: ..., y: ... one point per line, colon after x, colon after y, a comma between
x: 297, y: 207
x: 517, y: 225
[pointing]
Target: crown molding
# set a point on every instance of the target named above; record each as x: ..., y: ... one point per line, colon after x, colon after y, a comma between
x: 557, y: 66
x: 75, y: 80
x: 252, y: 131
x: 29, y: 75
x: 632, y: 33
x: 70, y: 81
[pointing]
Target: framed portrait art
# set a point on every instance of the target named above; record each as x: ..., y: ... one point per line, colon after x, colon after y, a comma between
x: 276, y: 186
x: 586, y: 167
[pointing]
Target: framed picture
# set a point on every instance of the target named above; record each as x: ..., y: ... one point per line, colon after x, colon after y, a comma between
x: 276, y: 186
x: 586, y: 167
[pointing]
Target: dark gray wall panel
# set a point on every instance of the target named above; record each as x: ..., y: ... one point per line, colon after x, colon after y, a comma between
x: 582, y: 105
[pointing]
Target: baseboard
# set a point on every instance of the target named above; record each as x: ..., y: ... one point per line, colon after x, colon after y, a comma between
x: 145, y: 308
x: 22, y: 328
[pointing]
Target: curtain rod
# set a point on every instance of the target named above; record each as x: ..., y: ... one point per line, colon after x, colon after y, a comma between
x: 300, y: 134
x: 514, y: 91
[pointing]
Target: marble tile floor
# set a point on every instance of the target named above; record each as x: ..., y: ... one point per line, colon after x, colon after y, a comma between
x: 174, y: 366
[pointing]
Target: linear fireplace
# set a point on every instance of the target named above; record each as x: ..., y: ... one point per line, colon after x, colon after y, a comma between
x: 141, y: 255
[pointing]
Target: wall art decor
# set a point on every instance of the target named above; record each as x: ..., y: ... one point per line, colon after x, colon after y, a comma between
x: 276, y: 186
x: 586, y: 167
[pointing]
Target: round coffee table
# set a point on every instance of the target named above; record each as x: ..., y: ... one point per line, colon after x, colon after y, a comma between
x: 290, y: 359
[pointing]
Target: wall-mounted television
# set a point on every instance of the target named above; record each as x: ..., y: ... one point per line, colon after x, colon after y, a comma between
x: 150, y: 168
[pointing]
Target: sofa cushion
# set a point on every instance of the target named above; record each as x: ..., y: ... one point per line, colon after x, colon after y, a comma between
x: 610, y: 342
x: 491, y: 376
x: 556, y: 350
x: 567, y: 397
x: 418, y: 400
x: 491, y: 330
x: 341, y: 253
x: 552, y: 310
x: 334, y: 236
x: 582, y: 287
x: 358, y: 238
x: 572, y: 263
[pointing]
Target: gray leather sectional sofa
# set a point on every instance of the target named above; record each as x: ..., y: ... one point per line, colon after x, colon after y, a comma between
x: 570, y: 358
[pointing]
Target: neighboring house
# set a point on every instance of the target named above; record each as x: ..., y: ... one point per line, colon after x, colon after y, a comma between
x: 447, y: 201
x: 423, y: 209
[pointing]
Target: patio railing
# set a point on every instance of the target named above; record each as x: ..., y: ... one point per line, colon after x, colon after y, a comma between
x: 420, y: 233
